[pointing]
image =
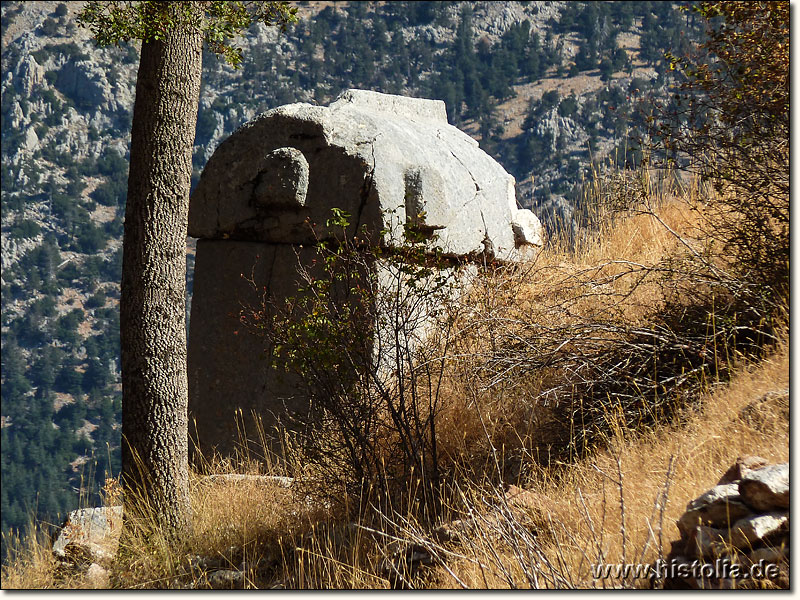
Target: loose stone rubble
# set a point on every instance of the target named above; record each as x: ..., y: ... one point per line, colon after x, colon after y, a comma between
x: 739, y: 527
x: 88, y: 542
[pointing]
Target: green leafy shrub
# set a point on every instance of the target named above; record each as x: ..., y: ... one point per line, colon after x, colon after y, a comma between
x: 25, y: 228
x: 353, y: 336
x: 96, y: 301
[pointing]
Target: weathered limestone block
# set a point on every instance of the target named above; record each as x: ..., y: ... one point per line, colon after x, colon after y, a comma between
x: 89, y: 535
x: 766, y: 488
x: 753, y: 531
x: 263, y: 202
x: 229, y: 382
x: 384, y: 159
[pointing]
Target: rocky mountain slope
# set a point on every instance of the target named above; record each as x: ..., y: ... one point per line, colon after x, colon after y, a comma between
x: 544, y: 86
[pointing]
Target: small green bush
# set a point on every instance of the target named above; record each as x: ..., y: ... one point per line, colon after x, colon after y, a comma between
x: 351, y: 337
x: 25, y: 228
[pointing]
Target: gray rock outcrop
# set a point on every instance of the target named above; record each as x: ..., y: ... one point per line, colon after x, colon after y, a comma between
x: 28, y: 74
x: 85, y: 82
x: 743, y: 524
x: 263, y: 202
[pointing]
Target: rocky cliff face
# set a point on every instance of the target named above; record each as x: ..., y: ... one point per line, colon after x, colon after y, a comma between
x: 64, y: 95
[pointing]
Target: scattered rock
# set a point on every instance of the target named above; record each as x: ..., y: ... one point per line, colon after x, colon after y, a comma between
x: 284, y: 482
x: 89, y: 535
x: 757, y: 529
x: 98, y: 577
x: 718, y: 507
x: 227, y: 579
x: 766, y: 488
x: 738, y: 522
x: 743, y: 465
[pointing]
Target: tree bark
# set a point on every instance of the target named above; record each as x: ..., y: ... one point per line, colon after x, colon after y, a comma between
x: 153, y: 289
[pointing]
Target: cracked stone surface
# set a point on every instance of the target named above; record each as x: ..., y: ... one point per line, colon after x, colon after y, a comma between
x: 766, y: 488
x: 263, y: 202
x: 384, y: 159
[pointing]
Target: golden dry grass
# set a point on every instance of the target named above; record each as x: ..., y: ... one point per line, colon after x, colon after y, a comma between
x: 582, y: 516
x: 493, y: 427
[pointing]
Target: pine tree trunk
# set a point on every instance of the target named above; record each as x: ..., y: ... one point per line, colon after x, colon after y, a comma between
x: 153, y: 291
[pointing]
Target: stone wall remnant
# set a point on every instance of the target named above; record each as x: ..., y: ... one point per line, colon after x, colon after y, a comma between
x: 739, y: 526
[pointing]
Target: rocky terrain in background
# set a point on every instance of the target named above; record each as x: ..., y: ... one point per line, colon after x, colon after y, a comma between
x: 66, y: 114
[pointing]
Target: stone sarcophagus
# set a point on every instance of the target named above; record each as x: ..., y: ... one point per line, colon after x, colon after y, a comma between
x: 263, y: 201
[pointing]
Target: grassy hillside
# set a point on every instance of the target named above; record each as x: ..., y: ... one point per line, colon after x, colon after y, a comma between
x: 545, y: 86
x: 610, y: 494
x: 562, y: 414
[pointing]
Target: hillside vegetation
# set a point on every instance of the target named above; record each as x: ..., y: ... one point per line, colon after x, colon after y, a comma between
x: 545, y: 86
x: 499, y: 424
x: 562, y: 415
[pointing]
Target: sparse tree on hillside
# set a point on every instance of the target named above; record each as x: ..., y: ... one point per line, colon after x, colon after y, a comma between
x: 733, y: 126
x: 152, y: 304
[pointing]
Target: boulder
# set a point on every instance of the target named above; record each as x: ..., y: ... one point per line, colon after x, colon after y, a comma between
x: 386, y: 160
x: 718, y: 507
x: 89, y: 535
x: 755, y: 530
x: 766, y: 488
x: 742, y: 466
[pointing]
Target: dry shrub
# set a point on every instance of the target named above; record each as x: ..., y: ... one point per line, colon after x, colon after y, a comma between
x: 619, y: 505
x: 632, y: 325
x: 494, y: 425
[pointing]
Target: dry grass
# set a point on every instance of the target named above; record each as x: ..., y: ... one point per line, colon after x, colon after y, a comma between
x: 577, y: 511
x: 576, y: 515
x: 505, y: 418
x: 30, y: 563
